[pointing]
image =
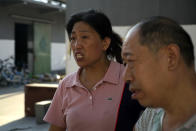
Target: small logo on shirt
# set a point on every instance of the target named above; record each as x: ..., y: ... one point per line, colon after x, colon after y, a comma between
x: 108, y: 98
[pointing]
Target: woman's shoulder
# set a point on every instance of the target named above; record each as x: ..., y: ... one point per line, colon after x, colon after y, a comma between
x: 117, y: 65
x: 70, y: 76
x: 68, y: 80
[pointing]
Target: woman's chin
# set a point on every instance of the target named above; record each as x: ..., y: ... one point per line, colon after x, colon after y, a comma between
x: 80, y: 64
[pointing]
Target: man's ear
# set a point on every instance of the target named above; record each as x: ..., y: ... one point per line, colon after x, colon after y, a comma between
x: 106, y: 43
x: 173, y: 53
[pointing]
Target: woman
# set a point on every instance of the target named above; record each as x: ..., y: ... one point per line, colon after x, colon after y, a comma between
x: 88, y: 99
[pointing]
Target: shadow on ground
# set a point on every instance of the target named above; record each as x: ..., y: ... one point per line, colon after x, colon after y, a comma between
x: 25, y: 124
x: 11, y: 89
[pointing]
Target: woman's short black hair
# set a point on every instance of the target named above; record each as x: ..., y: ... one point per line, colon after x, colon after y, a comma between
x: 102, y: 25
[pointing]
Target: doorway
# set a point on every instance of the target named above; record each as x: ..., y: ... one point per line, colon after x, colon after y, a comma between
x: 23, y: 36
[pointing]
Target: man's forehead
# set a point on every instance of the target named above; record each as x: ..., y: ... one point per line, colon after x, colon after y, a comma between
x: 131, y: 42
x: 126, y: 45
x: 126, y: 49
x: 131, y: 31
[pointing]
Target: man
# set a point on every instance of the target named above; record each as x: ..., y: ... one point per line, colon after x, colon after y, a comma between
x: 159, y: 61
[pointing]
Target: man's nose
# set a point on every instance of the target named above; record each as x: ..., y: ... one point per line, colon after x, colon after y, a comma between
x: 127, y: 75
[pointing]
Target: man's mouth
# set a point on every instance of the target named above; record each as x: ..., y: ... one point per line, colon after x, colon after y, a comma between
x: 136, y: 93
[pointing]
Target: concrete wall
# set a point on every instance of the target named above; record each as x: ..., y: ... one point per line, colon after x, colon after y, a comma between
x: 128, y: 12
x: 56, y: 19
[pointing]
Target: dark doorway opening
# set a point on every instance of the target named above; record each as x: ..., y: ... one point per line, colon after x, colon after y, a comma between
x: 21, y: 40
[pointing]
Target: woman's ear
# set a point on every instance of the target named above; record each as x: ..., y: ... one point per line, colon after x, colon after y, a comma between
x: 106, y: 43
x: 173, y: 56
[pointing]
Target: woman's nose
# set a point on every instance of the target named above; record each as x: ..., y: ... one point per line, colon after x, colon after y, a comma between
x: 77, y: 44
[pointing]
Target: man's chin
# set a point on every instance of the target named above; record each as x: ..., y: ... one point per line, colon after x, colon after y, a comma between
x: 146, y: 104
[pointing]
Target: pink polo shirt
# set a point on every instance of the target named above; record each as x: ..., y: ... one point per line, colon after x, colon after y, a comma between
x: 78, y: 109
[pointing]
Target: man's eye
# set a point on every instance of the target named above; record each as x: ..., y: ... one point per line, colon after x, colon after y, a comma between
x: 130, y: 62
x: 84, y: 37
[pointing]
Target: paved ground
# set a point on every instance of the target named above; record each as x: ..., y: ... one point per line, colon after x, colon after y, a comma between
x: 12, y: 117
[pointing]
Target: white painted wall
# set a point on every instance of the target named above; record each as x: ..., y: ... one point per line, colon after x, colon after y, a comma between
x: 7, y: 49
x: 121, y: 30
x: 71, y: 66
x: 58, y: 56
x: 191, y: 29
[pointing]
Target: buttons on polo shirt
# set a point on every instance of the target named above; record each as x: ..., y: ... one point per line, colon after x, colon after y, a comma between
x: 90, y: 97
x: 94, y: 88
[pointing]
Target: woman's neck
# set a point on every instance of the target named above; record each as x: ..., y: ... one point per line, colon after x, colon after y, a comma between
x: 90, y: 75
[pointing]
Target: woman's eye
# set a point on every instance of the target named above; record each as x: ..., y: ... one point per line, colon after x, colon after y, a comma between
x: 72, y: 39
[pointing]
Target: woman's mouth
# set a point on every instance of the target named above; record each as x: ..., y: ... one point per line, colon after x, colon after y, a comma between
x: 79, y: 56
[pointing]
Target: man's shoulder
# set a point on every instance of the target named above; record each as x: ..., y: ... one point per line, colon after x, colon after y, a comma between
x: 150, y: 119
x: 190, y: 125
x: 153, y: 112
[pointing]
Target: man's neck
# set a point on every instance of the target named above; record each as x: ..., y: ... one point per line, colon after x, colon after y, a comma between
x: 181, y: 107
